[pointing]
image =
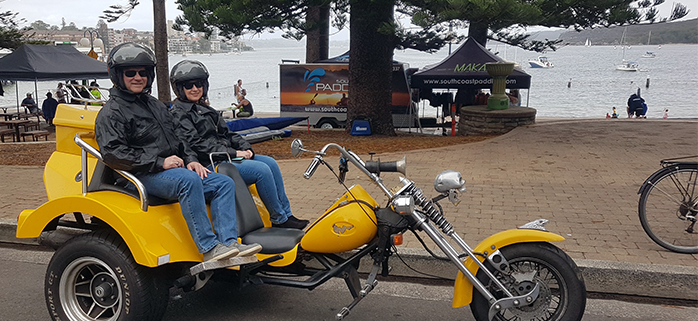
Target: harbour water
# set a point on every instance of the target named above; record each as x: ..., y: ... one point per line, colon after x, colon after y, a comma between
x: 583, y: 83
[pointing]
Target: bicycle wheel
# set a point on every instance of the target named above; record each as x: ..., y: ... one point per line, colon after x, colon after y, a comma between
x: 668, y: 207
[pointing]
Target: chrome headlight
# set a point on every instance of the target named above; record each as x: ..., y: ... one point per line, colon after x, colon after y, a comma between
x: 449, y: 180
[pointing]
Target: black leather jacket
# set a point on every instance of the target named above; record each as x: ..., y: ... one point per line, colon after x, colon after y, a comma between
x: 205, y: 131
x: 136, y: 133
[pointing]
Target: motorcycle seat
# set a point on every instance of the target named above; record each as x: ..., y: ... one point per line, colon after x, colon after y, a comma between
x: 250, y: 225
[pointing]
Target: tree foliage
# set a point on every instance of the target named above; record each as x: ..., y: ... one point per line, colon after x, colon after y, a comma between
x: 10, y: 35
x: 506, y: 20
x: 117, y: 11
x: 39, y: 25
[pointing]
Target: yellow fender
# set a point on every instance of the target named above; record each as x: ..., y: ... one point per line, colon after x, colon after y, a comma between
x: 156, y: 237
x: 463, y: 289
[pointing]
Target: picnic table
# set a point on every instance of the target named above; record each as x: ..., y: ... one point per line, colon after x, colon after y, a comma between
x: 15, y: 124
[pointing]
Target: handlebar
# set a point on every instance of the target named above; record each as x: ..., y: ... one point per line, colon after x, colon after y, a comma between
x: 351, y: 157
x: 377, y: 167
x: 312, y: 167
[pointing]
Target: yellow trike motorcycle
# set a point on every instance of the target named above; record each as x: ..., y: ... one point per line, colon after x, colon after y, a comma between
x: 122, y: 250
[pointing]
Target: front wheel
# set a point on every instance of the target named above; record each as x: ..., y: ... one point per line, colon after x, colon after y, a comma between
x: 94, y: 277
x: 668, y: 208
x: 562, y: 294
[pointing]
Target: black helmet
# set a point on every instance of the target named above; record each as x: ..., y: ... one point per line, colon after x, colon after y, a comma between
x: 130, y: 55
x: 187, y: 70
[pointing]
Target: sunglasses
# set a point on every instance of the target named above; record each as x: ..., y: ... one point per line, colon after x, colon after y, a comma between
x: 191, y: 84
x: 132, y: 73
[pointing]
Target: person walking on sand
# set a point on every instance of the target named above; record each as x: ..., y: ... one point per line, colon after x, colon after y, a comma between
x: 238, y: 90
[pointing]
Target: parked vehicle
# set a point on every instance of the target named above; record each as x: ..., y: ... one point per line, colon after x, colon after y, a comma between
x: 320, y: 91
x: 125, y: 250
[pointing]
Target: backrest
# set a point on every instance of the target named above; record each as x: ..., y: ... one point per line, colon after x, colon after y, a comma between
x: 104, y: 179
x: 245, y: 207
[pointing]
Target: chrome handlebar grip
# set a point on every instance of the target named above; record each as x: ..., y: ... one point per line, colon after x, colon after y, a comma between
x: 313, y: 166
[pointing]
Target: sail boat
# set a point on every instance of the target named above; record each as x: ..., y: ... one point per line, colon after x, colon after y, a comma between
x: 588, y: 43
x: 625, y: 65
x: 649, y: 54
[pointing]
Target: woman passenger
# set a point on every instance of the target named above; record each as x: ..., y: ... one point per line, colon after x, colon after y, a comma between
x: 207, y: 132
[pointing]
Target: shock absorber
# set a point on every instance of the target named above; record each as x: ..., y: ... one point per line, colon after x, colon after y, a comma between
x: 427, y: 206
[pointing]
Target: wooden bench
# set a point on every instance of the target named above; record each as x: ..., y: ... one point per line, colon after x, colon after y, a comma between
x: 7, y: 132
x: 32, y: 124
x: 36, y: 134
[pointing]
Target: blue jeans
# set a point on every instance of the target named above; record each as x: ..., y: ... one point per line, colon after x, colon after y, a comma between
x: 265, y: 173
x: 193, y: 192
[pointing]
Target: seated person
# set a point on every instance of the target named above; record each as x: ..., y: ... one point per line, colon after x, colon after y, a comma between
x: 481, y: 98
x: 343, y: 101
x: 244, y: 106
x: 514, y: 98
x: 30, y: 104
x: 136, y: 133
x: 94, y: 90
x: 635, y: 107
x: 207, y: 132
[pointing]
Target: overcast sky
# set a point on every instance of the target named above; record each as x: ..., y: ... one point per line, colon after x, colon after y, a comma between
x: 85, y: 13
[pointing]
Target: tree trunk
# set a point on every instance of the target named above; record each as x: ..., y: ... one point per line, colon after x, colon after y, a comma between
x: 160, y: 38
x: 318, y: 34
x: 370, y: 64
x: 478, y: 31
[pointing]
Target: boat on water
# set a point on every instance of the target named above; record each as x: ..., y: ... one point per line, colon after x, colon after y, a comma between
x: 649, y: 54
x: 625, y: 64
x: 587, y: 43
x: 540, y: 62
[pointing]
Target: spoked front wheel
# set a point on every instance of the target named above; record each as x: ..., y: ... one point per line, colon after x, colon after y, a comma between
x: 668, y: 208
x: 562, y: 295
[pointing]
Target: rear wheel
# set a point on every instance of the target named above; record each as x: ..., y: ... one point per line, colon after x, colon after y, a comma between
x: 562, y: 294
x: 94, y: 277
x: 668, y: 208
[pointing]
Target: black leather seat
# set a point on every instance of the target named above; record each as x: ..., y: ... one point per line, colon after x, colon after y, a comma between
x: 250, y: 225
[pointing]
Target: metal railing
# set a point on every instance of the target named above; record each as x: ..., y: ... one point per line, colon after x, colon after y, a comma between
x: 87, y: 148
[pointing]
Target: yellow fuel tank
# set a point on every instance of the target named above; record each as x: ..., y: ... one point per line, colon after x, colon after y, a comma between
x: 348, y: 224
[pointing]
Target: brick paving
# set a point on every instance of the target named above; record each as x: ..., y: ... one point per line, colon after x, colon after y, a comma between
x: 582, y: 175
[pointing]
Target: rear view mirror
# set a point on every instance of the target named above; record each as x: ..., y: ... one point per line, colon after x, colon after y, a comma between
x: 297, y: 148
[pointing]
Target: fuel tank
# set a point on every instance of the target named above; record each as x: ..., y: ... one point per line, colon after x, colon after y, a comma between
x: 348, y: 224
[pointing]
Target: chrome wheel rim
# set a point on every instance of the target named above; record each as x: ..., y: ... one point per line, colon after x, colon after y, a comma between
x: 90, y: 290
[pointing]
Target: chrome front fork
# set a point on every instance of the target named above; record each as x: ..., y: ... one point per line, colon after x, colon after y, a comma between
x: 495, y: 305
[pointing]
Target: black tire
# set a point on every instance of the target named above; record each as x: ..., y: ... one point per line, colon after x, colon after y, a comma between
x: 562, y: 292
x: 94, y: 277
x: 327, y: 124
x: 668, y: 210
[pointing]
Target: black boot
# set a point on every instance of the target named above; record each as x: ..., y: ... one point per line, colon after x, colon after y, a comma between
x: 292, y: 222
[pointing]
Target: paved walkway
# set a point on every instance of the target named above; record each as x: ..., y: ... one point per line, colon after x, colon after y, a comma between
x: 581, y: 175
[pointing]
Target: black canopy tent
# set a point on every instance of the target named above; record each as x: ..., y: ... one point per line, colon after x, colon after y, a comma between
x: 465, y: 68
x: 45, y: 63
